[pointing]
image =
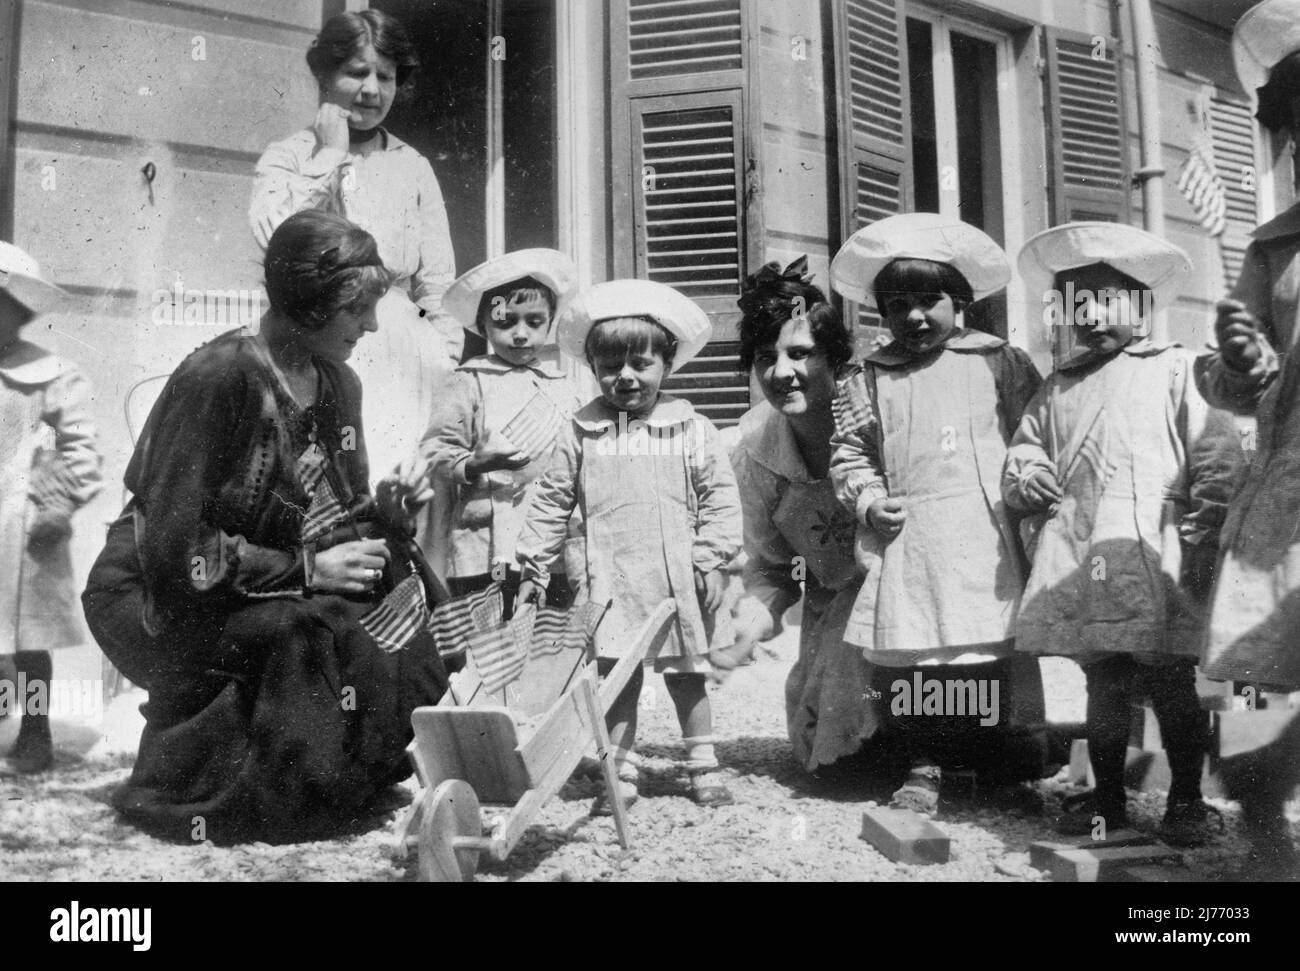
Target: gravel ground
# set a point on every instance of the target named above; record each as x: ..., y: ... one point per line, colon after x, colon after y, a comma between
x: 60, y: 826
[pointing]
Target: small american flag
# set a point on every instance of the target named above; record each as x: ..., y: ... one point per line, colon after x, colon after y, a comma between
x: 452, y: 622
x: 534, y: 428
x: 852, y: 408
x: 399, y: 616
x: 325, y: 511
x: 500, y: 654
x: 556, y: 630
x: 1202, y: 187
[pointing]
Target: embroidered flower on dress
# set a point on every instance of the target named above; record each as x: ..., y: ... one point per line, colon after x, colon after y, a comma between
x: 836, y: 529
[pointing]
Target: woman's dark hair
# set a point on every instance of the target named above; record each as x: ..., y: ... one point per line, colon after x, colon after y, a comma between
x: 343, y: 35
x: 772, y: 297
x: 516, y: 291
x: 1275, y: 97
x: 922, y: 276
x: 628, y: 335
x: 319, y: 265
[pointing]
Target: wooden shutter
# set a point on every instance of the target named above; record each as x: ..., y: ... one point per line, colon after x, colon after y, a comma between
x: 1087, y: 127
x: 1232, y: 128
x: 875, y: 111
x: 682, y: 195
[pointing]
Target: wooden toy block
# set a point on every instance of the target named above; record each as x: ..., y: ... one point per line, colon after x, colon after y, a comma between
x: 1106, y: 863
x: 904, y: 836
x: 1041, y: 853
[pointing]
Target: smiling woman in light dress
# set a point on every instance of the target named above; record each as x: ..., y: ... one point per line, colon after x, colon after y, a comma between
x: 795, y: 529
x: 347, y: 163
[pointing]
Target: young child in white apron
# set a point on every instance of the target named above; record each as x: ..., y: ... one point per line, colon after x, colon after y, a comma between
x: 922, y: 431
x: 48, y: 469
x: 1114, y: 449
x: 660, y: 511
x: 494, y: 427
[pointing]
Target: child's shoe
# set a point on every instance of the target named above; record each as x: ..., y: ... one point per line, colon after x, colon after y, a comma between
x: 708, y: 780
x: 709, y: 788
x: 920, y: 791
x: 1079, y: 814
x: 33, y: 750
x: 1190, y: 822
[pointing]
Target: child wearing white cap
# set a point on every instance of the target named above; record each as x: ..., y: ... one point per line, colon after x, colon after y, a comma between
x: 493, y: 429
x: 660, y: 509
x: 1254, y: 626
x: 921, y: 434
x: 1114, y: 450
x: 48, y: 469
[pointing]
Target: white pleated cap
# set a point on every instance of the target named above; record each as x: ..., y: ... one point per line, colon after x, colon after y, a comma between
x: 918, y: 236
x: 676, y: 312
x: 1265, y: 34
x: 21, y: 275
x: 1152, y: 261
x: 547, y: 266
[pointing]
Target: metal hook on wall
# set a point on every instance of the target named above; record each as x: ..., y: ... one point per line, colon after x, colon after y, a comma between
x: 150, y: 172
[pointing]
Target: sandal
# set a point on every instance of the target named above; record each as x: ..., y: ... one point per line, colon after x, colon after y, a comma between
x: 1079, y: 814
x: 1190, y: 822
x: 920, y: 792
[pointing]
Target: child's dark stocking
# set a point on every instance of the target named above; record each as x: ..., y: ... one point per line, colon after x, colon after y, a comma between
x: 1109, y: 685
x: 1183, y: 728
x: 1188, y: 821
x: 33, y: 750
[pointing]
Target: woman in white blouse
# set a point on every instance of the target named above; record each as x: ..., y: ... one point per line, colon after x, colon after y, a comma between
x: 347, y: 163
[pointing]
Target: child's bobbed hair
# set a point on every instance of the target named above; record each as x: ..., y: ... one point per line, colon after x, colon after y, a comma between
x: 620, y: 336
x: 1275, y: 97
x: 516, y: 291
x: 1125, y: 281
x: 922, y: 276
x: 772, y: 297
x: 319, y: 265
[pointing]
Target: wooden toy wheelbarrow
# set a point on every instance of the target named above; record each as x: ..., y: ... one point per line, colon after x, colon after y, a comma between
x: 510, y: 751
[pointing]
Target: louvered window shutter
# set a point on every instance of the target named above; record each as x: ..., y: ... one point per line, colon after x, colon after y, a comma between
x: 875, y: 111
x: 679, y: 96
x: 1232, y: 127
x: 1088, y: 147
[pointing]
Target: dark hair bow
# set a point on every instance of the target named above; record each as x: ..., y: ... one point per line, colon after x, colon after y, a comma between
x: 772, y: 289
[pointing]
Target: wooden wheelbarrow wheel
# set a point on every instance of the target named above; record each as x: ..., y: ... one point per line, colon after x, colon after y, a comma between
x: 450, y: 819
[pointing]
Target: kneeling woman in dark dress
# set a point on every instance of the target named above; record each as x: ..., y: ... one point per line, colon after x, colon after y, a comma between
x: 235, y: 583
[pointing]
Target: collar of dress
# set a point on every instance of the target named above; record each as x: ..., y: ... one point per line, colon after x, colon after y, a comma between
x: 769, y: 440
x: 962, y: 340
x: 599, y: 415
x: 545, y: 366
x: 1146, y: 347
x: 25, y: 363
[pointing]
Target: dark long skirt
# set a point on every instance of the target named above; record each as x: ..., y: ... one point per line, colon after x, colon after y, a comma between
x: 279, y: 722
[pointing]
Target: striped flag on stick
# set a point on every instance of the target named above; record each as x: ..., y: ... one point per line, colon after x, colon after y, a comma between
x: 399, y: 616
x: 325, y: 511
x: 1202, y: 187
x: 500, y: 654
x: 534, y: 427
x: 452, y: 622
x: 556, y: 631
